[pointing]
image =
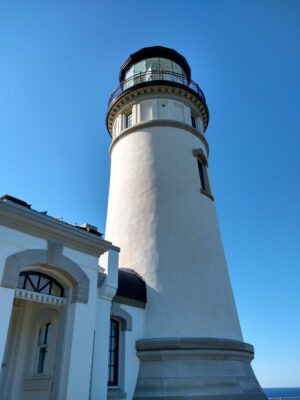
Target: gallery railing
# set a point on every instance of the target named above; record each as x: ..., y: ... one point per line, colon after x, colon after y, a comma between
x: 158, y: 75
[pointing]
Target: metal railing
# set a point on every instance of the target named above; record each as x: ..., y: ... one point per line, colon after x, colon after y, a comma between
x: 157, y: 75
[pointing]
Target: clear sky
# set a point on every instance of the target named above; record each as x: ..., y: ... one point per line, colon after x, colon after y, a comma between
x: 59, y: 63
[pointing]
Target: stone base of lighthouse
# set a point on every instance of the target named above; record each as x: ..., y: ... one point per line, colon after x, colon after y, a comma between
x: 196, y: 368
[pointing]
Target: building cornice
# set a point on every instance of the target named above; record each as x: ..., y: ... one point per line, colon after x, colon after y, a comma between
x: 169, y: 88
x: 159, y: 123
x: 39, y: 225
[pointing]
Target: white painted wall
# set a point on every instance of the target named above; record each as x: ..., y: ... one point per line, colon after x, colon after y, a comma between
x: 79, y: 321
x: 6, y: 301
x: 168, y: 232
x: 13, y: 241
x: 153, y: 109
x: 131, y: 361
x: 109, y: 263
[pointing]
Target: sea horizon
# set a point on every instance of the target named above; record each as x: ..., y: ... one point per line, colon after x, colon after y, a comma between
x: 285, y: 392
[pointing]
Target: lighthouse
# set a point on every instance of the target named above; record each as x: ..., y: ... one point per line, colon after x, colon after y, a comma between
x: 161, y: 213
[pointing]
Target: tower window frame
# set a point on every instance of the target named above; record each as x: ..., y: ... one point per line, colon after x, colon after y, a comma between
x: 128, y: 117
x: 203, y: 174
x: 193, y: 120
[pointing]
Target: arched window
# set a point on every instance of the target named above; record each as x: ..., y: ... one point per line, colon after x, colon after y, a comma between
x: 113, y: 360
x: 41, y: 283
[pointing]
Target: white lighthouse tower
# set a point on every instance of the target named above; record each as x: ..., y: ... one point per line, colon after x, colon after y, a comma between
x: 162, y: 214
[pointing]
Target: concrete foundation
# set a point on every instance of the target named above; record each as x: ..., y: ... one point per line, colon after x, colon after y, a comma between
x: 196, y: 368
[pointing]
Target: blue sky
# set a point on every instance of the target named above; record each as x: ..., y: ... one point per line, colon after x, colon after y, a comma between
x: 59, y: 63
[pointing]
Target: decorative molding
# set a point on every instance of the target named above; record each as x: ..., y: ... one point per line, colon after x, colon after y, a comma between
x: 123, y: 316
x: 38, y: 383
x: 194, y: 343
x: 196, y: 368
x: 194, y: 349
x: 39, y: 297
x: 54, y: 258
x: 199, y: 153
x: 129, y: 302
x: 159, y: 123
x: 168, y: 87
x: 39, y: 225
x: 101, y: 279
x: 116, y: 393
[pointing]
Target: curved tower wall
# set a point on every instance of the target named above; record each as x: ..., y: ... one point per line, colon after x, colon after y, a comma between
x: 162, y: 215
x: 168, y: 230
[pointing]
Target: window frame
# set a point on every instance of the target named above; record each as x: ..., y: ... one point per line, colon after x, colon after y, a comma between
x: 44, y: 317
x: 203, y: 174
x: 44, y: 337
x: 115, y: 382
x: 193, y: 120
x: 128, y: 117
x: 38, y: 287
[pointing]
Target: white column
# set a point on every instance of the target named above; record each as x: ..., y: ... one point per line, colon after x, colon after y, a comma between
x: 187, y: 115
x: 101, y: 346
x: 6, y: 301
x: 138, y: 113
x: 81, y: 350
x: 109, y: 261
x: 154, y: 109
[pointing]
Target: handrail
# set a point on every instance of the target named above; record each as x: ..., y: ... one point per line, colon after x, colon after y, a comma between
x: 155, y: 75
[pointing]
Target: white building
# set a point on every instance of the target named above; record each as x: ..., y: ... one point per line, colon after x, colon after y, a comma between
x: 151, y: 316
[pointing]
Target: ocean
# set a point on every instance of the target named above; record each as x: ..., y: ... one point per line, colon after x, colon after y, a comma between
x: 282, y: 392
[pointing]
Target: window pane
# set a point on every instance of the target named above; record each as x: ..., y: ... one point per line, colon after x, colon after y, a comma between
x: 113, y: 353
x: 193, y: 121
x: 128, y: 120
x: 46, y: 288
x: 47, y: 332
x: 140, y: 67
x: 43, y: 281
x: 129, y: 73
x: 28, y: 284
x: 41, y: 361
x: 56, y: 290
x: 165, y: 64
x: 38, y: 282
x: 178, y: 73
x: 201, y: 174
x: 152, y: 64
x: 129, y: 78
x: 34, y: 279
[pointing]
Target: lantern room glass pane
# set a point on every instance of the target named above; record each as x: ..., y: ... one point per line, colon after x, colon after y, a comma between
x: 178, y: 73
x: 156, y: 68
x: 139, y: 72
x: 165, y: 64
x: 128, y: 78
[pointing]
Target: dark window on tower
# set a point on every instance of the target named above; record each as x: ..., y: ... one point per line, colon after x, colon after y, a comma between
x: 113, y: 360
x: 128, y: 119
x: 201, y: 174
x: 193, y: 121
